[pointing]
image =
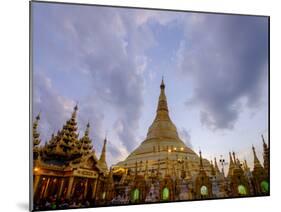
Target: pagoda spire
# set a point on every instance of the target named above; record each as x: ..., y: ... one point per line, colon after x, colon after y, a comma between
x: 265, y: 156
x: 246, y: 167
x: 65, y: 145
x: 263, y: 141
x: 87, y: 129
x: 35, y: 134
x: 234, y: 158
x: 238, y: 164
x: 201, y: 161
x: 85, y: 142
x: 162, y: 101
x: 231, y: 166
x: 74, y: 113
x: 102, y: 160
x: 257, y: 163
x: 162, y: 126
x: 213, y: 172
x: 216, y: 167
x: 36, y: 138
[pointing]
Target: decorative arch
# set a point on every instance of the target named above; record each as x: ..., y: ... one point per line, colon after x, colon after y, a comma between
x: 264, y: 186
x: 204, y: 190
x: 165, y: 194
x: 135, y: 195
x: 242, y: 190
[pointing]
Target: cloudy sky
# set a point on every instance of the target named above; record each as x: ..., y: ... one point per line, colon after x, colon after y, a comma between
x: 111, y: 60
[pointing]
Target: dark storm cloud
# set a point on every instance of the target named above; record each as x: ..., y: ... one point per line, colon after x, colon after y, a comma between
x: 104, y: 47
x: 110, y: 59
x: 226, y: 57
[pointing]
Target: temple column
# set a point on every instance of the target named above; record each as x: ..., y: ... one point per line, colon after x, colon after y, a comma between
x: 69, y: 189
x: 36, y: 182
x: 85, y: 188
x: 61, y: 188
x: 46, y: 188
x: 94, y: 189
x: 74, y: 186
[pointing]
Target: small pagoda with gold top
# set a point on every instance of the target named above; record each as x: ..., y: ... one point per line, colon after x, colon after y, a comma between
x: 66, y: 167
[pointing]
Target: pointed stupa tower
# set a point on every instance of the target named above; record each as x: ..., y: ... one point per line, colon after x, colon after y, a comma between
x: 259, y: 175
x: 162, y: 142
x: 162, y: 126
x: 213, y: 171
x: 216, y: 167
x: 86, y: 146
x: 245, y: 166
x: 102, y: 161
x: 36, y: 138
x: 231, y: 166
x: 257, y: 164
x: 203, y: 180
x: 65, y: 146
x: 265, y: 156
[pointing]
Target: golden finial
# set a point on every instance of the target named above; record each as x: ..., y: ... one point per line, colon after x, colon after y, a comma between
x: 162, y: 86
x: 38, y: 116
x: 201, y: 162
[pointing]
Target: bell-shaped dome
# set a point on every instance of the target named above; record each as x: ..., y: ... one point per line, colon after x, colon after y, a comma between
x: 162, y: 126
x: 162, y: 143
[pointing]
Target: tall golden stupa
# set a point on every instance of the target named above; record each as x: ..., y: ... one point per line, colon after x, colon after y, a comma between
x: 163, y: 145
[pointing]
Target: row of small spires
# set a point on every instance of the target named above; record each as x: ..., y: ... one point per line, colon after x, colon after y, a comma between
x: 234, y: 164
x: 233, y: 160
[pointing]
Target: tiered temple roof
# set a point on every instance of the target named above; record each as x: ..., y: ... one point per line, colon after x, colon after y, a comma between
x: 86, y: 146
x: 36, y: 138
x: 65, y: 147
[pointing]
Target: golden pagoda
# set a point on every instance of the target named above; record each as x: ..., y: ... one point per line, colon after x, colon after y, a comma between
x: 238, y: 182
x: 260, y: 176
x: 86, y: 146
x: 102, y: 162
x: 203, y: 185
x: 265, y: 157
x: 67, y: 168
x: 163, y: 146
